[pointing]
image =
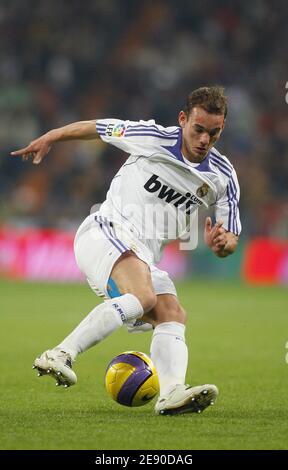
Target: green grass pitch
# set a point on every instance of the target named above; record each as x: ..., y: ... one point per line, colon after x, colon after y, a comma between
x: 236, y: 336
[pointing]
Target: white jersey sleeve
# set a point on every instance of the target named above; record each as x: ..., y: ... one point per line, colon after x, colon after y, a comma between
x: 137, y: 137
x: 227, y: 206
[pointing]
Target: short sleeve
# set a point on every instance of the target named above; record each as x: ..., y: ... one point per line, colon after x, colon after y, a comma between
x: 137, y: 137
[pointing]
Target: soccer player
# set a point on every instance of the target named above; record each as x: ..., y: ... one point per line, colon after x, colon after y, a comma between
x: 171, y: 172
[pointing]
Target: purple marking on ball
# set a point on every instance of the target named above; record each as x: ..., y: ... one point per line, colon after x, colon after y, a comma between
x: 134, y: 382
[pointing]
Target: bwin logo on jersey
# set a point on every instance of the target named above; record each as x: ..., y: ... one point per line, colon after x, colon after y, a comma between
x: 170, y: 195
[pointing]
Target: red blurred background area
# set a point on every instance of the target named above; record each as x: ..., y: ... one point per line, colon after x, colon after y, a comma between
x: 266, y: 261
x: 47, y: 255
x: 38, y: 255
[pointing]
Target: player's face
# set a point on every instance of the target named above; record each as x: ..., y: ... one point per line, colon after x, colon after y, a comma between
x: 200, y: 132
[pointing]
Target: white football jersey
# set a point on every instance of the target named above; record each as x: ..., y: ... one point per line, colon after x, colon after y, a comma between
x: 157, y: 190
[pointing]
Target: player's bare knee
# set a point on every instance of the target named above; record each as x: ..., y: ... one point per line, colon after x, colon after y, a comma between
x: 176, y: 314
x: 148, y: 300
x: 169, y: 309
x: 181, y: 315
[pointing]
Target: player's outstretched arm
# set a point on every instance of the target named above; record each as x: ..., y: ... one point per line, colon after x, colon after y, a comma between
x: 221, y: 242
x: 39, y: 148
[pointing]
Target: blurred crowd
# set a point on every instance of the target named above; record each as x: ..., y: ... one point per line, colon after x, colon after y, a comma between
x: 63, y: 61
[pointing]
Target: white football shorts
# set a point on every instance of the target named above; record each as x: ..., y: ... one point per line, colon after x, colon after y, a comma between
x: 98, y: 244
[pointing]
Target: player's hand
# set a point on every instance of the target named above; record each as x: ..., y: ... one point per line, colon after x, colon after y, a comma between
x: 37, y: 149
x: 215, y: 237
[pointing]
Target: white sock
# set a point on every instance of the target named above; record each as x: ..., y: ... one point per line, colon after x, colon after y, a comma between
x: 169, y: 354
x: 101, y: 322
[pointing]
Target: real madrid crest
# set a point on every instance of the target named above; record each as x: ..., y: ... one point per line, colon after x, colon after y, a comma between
x: 202, y: 190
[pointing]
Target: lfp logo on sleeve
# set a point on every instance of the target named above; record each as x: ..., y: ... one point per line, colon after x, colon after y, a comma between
x: 115, y: 130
